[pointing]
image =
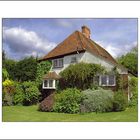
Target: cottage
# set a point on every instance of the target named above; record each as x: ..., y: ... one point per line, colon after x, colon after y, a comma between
x: 79, y: 47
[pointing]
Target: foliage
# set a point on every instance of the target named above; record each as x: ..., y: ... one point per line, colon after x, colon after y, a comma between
x: 47, y: 104
x: 130, y: 61
x: 133, y: 86
x: 5, y: 74
x: 18, y: 96
x: 10, y: 66
x: 22, y: 70
x: 42, y: 68
x: 97, y: 100
x: 31, y: 93
x: 68, y: 101
x: 79, y: 75
x: 120, y: 101
x: 7, y: 93
x: 26, y: 69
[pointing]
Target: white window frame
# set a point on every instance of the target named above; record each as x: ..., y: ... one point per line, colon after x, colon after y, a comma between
x: 58, y: 63
x: 48, y: 85
x: 107, y: 78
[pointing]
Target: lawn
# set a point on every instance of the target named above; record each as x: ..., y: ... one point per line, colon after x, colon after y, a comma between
x: 30, y: 114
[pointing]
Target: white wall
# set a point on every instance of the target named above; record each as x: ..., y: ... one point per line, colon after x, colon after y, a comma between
x: 90, y: 58
x: 87, y: 57
x: 67, y: 62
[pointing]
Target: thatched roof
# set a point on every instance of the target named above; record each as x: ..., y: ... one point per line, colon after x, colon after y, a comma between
x: 51, y: 75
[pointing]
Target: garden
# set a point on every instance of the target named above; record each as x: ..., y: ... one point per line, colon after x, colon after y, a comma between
x: 77, y: 97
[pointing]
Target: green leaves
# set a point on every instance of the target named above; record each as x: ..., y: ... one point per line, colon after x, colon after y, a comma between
x: 130, y: 61
x: 79, y: 75
x: 68, y: 101
x: 42, y: 68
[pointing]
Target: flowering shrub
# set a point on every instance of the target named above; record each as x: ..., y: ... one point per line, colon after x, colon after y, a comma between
x: 8, y: 90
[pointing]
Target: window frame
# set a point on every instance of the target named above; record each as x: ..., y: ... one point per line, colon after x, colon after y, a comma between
x: 107, y: 81
x: 58, y: 63
x: 75, y: 61
x: 48, y: 84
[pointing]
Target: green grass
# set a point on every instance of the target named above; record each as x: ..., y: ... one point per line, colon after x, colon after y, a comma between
x: 30, y: 114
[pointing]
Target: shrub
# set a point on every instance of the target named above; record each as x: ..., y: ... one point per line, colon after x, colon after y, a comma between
x: 97, y: 101
x: 120, y: 101
x: 68, y: 101
x: 8, y: 90
x: 47, y: 104
x: 31, y: 93
x: 133, y: 84
x: 18, y: 96
x: 79, y: 75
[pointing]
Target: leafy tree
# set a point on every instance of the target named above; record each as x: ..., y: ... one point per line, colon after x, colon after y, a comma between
x: 130, y: 61
x: 5, y: 74
x: 10, y: 66
x: 26, y: 69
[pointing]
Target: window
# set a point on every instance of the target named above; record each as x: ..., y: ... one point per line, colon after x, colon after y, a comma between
x: 107, y: 80
x: 73, y: 60
x: 48, y: 84
x: 58, y: 63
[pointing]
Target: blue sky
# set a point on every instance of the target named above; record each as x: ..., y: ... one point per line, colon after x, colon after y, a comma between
x: 26, y: 37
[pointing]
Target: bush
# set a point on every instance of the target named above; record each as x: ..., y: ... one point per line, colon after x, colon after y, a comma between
x: 47, y: 104
x: 68, y: 101
x: 31, y: 93
x: 120, y: 101
x: 79, y: 75
x: 8, y: 90
x: 18, y: 96
x: 133, y: 84
x: 97, y: 101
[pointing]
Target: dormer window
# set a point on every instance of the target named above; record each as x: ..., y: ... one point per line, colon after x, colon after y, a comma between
x: 58, y: 63
x: 73, y: 59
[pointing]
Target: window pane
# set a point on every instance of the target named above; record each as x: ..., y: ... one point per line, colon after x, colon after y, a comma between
x: 60, y: 62
x: 50, y: 83
x: 54, y: 63
x: 111, y: 80
x: 73, y: 60
x: 45, y: 83
x: 103, y: 80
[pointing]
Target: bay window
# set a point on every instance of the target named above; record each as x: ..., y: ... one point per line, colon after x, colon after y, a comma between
x: 49, y: 84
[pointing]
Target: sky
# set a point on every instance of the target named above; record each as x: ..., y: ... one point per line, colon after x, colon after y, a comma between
x: 36, y: 37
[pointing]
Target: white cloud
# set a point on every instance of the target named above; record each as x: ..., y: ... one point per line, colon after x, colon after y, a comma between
x: 116, y: 50
x: 64, y: 23
x: 23, y: 43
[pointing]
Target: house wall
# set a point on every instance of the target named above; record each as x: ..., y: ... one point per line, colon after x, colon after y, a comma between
x: 90, y: 58
x: 87, y: 57
x: 67, y: 62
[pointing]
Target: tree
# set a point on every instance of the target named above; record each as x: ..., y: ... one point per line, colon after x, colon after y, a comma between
x: 26, y: 69
x: 10, y: 66
x: 130, y: 61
